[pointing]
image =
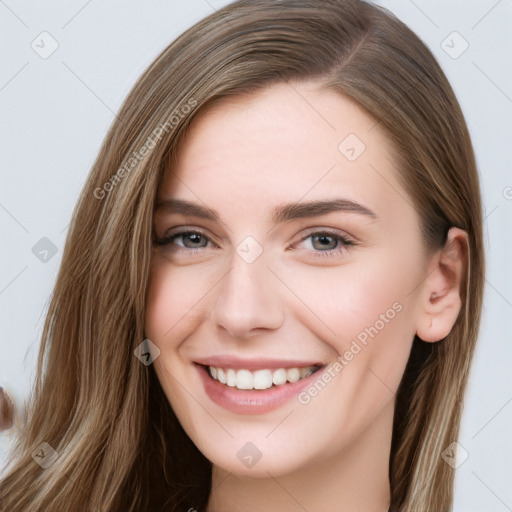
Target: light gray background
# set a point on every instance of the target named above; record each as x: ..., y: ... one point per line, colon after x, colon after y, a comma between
x: 55, y: 112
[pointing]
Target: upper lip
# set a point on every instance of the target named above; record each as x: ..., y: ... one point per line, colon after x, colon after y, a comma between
x: 226, y: 361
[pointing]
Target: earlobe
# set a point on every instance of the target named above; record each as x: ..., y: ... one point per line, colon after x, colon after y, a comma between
x: 440, y: 299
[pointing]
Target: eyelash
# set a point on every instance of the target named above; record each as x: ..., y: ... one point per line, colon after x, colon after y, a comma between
x: 167, y: 240
x: 343, y: 242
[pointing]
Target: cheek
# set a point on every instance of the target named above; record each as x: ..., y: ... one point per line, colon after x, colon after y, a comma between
x: 367, y: 308
x: 174, y: 308
x: 368, y: 312
x: 173, y: 299
x: 350, y: 297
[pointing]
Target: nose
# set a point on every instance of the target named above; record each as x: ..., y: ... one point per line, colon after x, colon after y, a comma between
x: 248, y: 299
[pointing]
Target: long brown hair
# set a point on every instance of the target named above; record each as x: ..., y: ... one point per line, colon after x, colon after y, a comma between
x: 118, y: 444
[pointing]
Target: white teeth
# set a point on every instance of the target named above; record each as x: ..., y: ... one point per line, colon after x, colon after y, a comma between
x: 244, y: 379
x: 292, y: 375
x: 262, y: 379
x: 279, y: 377
x: 221, y: 376
x: 259, y: 379
x: 231, y: 377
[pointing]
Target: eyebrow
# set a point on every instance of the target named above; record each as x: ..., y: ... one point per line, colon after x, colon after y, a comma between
x: 281, y: 214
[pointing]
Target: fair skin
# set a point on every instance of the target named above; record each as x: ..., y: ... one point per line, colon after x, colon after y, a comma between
x: 303, y: 301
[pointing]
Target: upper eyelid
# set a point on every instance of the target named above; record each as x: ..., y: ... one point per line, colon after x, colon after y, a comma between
x: 205, y: 232
x: 345, y: 241
x: 327, y: 231
x: 183, y: 230
x: 168, y: 239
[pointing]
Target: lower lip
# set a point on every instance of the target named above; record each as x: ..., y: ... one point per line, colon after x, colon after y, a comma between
x: 251, y: 401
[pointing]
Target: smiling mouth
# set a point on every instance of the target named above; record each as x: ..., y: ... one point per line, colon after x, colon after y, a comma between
x: 245, y: 380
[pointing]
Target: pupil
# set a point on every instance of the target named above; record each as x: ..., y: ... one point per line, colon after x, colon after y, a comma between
x: 194, y: 239
x: 324, y: 242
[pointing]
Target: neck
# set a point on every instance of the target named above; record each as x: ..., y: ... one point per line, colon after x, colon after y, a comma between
x: 355, y: 478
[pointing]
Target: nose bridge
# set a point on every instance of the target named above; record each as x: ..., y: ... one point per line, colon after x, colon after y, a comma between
x: 247, y: 298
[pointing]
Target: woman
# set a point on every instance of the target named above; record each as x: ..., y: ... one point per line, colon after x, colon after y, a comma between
x: 271, y: 289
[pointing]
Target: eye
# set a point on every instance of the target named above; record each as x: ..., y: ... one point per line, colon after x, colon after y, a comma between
x: 185, y: 239
x: 326, y: 243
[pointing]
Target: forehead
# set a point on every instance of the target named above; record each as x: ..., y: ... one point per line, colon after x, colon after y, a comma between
x: 283, y: 143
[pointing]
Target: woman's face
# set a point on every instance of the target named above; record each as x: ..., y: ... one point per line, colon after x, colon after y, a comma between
x: 285, y: 246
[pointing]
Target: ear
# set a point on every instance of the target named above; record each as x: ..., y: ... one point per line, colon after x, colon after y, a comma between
x: 439, y: 298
